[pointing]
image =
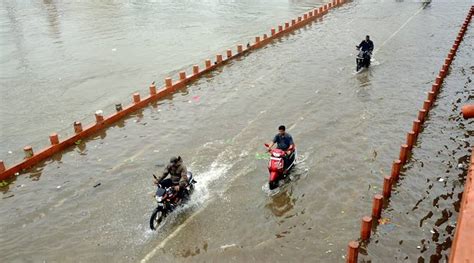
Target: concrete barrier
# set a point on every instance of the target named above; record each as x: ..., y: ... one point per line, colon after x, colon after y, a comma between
x: 462, y: 249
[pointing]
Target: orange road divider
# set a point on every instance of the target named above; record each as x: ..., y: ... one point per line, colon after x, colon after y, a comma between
x: 462, y: 250
x: 468, y: 111
x: 352, y: 252
x: 366, y: 227
x: 138, y: 102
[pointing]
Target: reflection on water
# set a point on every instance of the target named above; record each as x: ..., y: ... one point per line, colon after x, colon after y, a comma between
x: 53, y: 19
x: 281, y: 203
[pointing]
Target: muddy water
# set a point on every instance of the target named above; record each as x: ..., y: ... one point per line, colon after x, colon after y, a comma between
x: 60, y: 61
x: 427, y: 198
x: 92, y: 203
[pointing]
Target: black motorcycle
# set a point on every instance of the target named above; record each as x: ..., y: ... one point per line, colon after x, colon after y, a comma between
x: 168, y: 199
x: 363, y: 60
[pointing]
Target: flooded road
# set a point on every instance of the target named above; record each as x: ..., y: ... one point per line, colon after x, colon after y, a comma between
x: 93, y: 202
x: 67, y: 59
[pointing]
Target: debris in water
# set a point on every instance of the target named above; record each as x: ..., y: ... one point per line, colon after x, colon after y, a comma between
x: 329, y: 251
x: 58, y: 187
x: 10, y: 152
x: 262, y: 156
x: 419, y: 247
x: 441, y: 179
x: 12, y: 195
x: 432, y: 232
x: 196, y: 98
x: 460, y: 166
x: 3, y: 183
x: 227, y: 246
x: 114, y: 49
x: 97, y: 185
x: 384, y: 221
x: 17, y: 174
x: 389, y: 227
x: 78, y: 142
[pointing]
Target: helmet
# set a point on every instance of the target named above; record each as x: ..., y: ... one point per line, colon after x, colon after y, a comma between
x: 174, y: 159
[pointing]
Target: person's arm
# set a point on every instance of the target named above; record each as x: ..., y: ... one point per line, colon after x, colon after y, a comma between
x: 273, y: 142
x: 371, y: 46
x: 184, y: 177
x: 360, y: 45
x: 292, y: 146
x: 165, y: 173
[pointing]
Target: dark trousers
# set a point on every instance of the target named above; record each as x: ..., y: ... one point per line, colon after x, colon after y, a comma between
x: 165, y: 183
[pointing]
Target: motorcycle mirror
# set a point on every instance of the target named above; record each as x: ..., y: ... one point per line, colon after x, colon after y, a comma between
x: 155, y: 176
x: 266, y: 144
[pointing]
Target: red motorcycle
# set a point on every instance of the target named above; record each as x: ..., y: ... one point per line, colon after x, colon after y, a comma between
x: 279, y: 165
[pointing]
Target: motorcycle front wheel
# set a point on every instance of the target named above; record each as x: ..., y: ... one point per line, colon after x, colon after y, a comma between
x: 156, y: 218
x: 358, y: 65
x: 272, y: 184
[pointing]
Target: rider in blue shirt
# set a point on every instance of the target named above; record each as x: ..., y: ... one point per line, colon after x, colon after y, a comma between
x: 283, y: 140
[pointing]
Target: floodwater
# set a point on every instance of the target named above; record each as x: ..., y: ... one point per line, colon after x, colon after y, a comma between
x: 92, y: 203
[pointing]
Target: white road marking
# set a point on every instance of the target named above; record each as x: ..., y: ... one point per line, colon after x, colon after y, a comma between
x: 399, y: 29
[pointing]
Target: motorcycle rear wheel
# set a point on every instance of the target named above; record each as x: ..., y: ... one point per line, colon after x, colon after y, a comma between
x: 156, y: 218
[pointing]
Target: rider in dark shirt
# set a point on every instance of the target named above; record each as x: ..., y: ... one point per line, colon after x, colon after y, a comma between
x: 283, y: 140
x: 366, y: 45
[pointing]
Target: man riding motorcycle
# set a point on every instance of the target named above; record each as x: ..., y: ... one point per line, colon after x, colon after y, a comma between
x: 284, y: 142
x: 366, y: 45
x: 178, y: 175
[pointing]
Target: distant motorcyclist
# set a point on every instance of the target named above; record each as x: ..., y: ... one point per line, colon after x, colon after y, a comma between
x: 283, y: 140
x: 177, y: 172
x: 366, y: 45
